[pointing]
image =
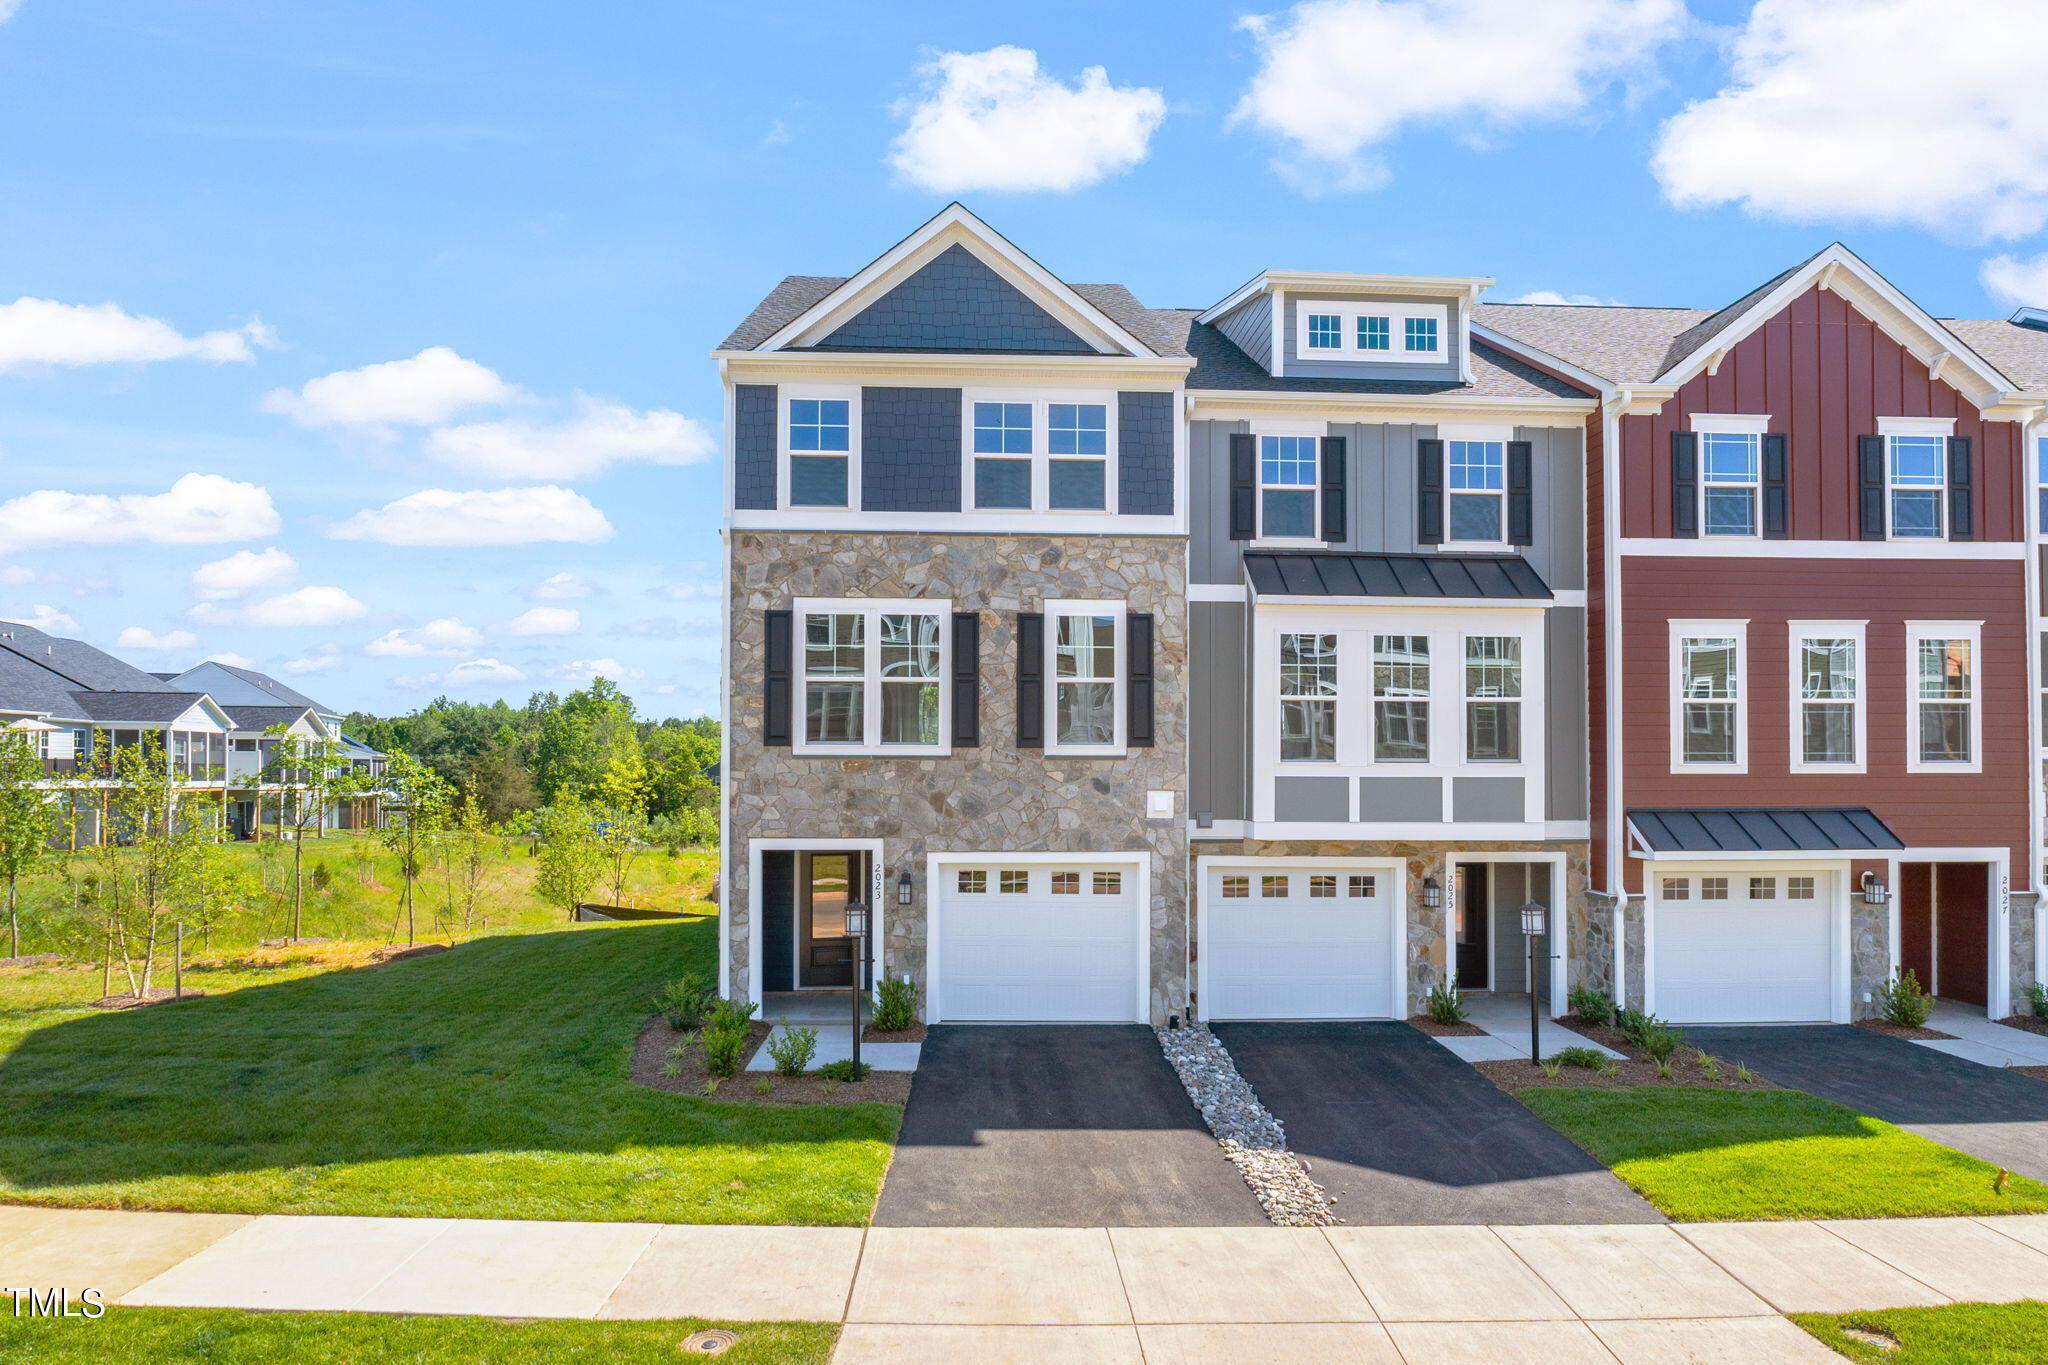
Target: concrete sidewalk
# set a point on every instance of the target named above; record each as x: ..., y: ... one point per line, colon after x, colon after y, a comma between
x: 1646, y: 1293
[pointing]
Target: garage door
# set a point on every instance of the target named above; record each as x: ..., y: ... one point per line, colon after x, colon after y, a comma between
x: 1038, y: 944
x: 1300, y: 943
x: 1744, y: 948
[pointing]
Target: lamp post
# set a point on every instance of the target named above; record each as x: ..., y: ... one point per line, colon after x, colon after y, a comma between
x: 857, y: 930
x: 1533, y: 924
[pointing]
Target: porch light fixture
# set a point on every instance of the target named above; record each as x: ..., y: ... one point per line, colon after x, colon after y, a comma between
x: 857, y: 930
x: 1535, y: 920
x: 856, y: 918
x: 903, y: 887
x: 1875, y: 892
x: 1432, y: 894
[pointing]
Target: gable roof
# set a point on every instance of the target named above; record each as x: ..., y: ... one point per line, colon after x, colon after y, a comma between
x: 263, y: 717
x: 76, y: 661
x: 257, y: 689
x: 148, y: 708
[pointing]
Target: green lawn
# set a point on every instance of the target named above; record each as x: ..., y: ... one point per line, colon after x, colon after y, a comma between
x: 1954, y: 1334
x: 227, y: 1336
x: 1725, y: 1154
x: 486, y: 1082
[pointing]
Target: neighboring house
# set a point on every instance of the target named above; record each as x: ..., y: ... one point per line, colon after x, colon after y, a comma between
x: 1262, y: 660
x: 73, y: 698
x: 259, y: 701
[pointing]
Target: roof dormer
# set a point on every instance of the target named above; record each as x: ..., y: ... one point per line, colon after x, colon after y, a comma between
x: 1318, y: 325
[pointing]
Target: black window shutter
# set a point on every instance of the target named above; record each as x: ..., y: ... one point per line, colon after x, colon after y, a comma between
x: 1870, y: 487
x: 1335, y: 497
x: 1030, y: 680
x: 777, y: 688
x: 1244, y: 487
x: 1962, y: 505
x: 966, y: 679
x: 1685, y: 484
x: 1521, y: 494
x: 1138, y: 639
x: 1429, y: 492
x: 1777, y: 510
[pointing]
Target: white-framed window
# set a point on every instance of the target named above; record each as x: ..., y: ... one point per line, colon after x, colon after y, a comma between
x: 1945, y: 723
x: 1308, y: 698
x: 1044, y: 453
x: 1799, y: 888
x: 1713, y: 888
x: 1084, y: 677
x: 1325, y: 332
x: 1288, y: 487
x: 1827, y: 696
x: 1916, y: 476
x: 872, y: 676
x: 1708, y: 729
x: 819, y: 431
x: 1421, y: 335
x: 1273, y: 887
x: 972, y: 883
x: 1475, y: 484
x: 1322, y: 886
x: 1400, y: 698
x: 1677, y: 888
x: 1108, y: 883
x: 1361, y: 885
x: 1374, y: 330
x: 1493, y: 698
x: 1237, y: 888
x: 1730, y: 473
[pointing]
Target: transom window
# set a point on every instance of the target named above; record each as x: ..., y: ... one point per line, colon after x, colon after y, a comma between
x: 1287, y: 487
x: 1730, y: 462
x: 871, y: 677
x: 1085, y: 679
x: 1308, y: 698
x: 1040, y: 455
x: 1325, y: 331
x: 1420, y: 334
x: 1400, y: 688
x: 1493, y: 698
x: 1945, y: 697
x: 1709, y: 677
x: 1917, y: 474
x: 1478, y: 489
x: 820, y: 448
x: 1829, y: 690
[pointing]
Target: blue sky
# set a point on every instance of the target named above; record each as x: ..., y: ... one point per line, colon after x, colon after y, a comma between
x: 576, y: 203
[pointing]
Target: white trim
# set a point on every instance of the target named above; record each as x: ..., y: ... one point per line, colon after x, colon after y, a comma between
x: 1732, y: 547
x: 755, y: 848
x: 958, y: 523
x: 1299, y: 430
x: 1973, y: 632
x: 1731, y: 424
x: 871, y: 610
x: 1797, y: 633
x: 1218, y: 592
x: 1394, y: 869
x: 1753, y: 427
x: 934, y: 863
x: 1916, y: 426
x: 1350, y: 312
x: 1475, y: 433
x: 1054, y: 609
x: 1247, y: 405
x: 1738, y: 705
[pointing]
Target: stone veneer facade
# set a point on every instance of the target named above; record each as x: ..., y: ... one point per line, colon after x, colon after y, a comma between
x: 994, y: 798
x: 1428, y: 930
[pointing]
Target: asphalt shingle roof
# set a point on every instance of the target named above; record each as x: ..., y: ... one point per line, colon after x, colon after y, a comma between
x: 138, y: 707
x: 263, y: 717
x: 1334, y: 573
x: 1220, y: 364
x: 76, y: 660
x: 1758, y: 829
x: 2019, y: 353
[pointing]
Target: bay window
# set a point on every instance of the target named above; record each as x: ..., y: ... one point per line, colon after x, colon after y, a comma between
x: 1707, y: 712
x: 1945, y: 722
x: 1086, y: 643
x: 1308, y: 698
x: 871, y: 675
x: 1037, y: 454
x: 1400, y: 689
x: 1493, y: 698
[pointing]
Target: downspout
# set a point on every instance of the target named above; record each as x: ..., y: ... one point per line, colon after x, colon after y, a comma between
x: 1610, y: 547
x: 2033, y: 432
x: 726, y: 775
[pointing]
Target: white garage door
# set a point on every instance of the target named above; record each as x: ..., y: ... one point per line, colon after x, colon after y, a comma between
x: 1300, y: 943
x: 1742, y: 948
x: 1038, y: 944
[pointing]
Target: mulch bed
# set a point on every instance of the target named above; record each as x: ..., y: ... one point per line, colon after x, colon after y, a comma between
x: 158, y: 995
x: 916, y: 1033
x: 651, y: 1057
x: 1607, y: 1035
x: 1436, y: 1030
x: 1685, y: 1072
x: 2026, y: 1023
x: 1891, y: 1030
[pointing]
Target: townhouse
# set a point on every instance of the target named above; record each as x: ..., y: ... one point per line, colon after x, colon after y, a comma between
x: 212, y: 722
x: 1264, y: 660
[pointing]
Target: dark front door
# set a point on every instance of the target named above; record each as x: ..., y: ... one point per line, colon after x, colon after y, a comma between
x: 824, y: 954
x: 1962, y: 931
x: 1471, y: 922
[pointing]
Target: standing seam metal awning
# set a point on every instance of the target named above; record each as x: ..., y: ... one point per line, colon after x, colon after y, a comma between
x: 1331, y: 573
x: 1762, y: 829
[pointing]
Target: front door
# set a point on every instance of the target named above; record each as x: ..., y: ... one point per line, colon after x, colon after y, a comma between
x: 1472, y: 917
x: 824, y: 953
x: 1944, y: 928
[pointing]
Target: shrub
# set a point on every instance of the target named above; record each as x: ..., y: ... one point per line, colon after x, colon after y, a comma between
x: 1709, y: 1068
x: 1589, y: 1058
x: 722, y: 1049
x: 1552, y: 1069
x: 1901, y: 1001
x: 684, y: 1001
x: 845, y: 1069
x: 723, y: 1014
x: 895, y: 1004
x: 1664, y: 1071
x: 1649, y: 1033
x: 2037, y: 999
x: 1595, y: 1007
x: 322, y: 878
x: 792, y: 1049
x: 1445, y: 1005
x: 764, y: 1086
x: 1744, y: 1074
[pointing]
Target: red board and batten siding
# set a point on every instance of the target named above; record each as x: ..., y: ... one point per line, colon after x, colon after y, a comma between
x: 1824, y: 374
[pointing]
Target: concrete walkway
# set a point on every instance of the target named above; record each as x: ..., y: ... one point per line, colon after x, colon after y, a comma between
x: 1978, y: 1039
x: 1505, y: 1017
x: 1635, y: 1295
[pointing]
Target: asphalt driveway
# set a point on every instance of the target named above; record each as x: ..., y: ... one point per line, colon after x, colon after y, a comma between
x: 1978, y: 1109
x: 1056, y: 1126
x: 1401, y: 1131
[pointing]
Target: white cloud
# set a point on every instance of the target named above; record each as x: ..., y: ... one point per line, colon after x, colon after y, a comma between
x: 994, y: 121
x: 506, y: 516
x: 1337, y: 78
x: 431, y: 387
x: 315, y: 663
x: 140, y: 637
x: 581, y: 671
x: 314, y: 606
x: 562, y: 587
x: 45, y: 332
x: 600, y: 435
x: 475, y: 673
x: 242, y: 572
x: 546, y: 621
x: 447, y: 636
x: 231, y: 659
x: 199, y: 509
x: 1908, y: 112
x: 46, y: 619
x: 2023, y: 284
x: 1555, y: 299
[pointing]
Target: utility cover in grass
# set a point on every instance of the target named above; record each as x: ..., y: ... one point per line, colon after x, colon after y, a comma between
x: 1979, y: 1333
x: 1710, y: 1155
